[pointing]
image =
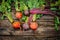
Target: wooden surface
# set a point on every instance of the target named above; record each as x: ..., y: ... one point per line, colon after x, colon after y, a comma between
x: 46, y: 27
x: 45, y: 30
x: 27, y: 38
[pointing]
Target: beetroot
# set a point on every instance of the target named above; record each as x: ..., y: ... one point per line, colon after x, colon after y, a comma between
x: 26, y: 12
x: 25, y: 26
x: 33, y: 25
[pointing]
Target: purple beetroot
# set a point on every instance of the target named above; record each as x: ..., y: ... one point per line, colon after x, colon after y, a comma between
x: 26, y: 12
x: 25, y: 26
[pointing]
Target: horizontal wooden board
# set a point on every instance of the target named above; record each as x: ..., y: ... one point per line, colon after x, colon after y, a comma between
x: 45, y: 29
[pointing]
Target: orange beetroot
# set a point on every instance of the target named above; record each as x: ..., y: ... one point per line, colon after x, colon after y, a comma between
x: 18, y: 15
x: 16, y: 25
x: 33, y: 25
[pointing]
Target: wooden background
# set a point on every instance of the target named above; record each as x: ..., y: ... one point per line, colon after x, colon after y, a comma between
x: 45, y: 30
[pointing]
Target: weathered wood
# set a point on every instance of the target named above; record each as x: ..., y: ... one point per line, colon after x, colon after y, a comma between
x: 45, y: 29
x: 27, y: 38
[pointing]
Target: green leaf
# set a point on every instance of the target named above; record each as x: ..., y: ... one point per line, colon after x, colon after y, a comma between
x: 53, y: 9
x: 8, y: 5
x: 1, y: 8
x: 41, y: 2
x: 56, y: 27
x: 30, y: 4
x: 9, y: 1
x: 16, y: 5
x: 52, y: 4
x: 56, y: 23
x: 24, y: 18
x: 2, y: 17
x: 56, y: 20
x: 57, y: 3
x: 35, y: 3
x: 39, y: 16
x: 23, y: 6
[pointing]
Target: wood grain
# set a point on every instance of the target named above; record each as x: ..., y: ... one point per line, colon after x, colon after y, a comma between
x: 45, y: 29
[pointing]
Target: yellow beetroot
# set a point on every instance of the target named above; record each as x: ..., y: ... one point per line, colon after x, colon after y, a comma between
x: 16, y: 25
x: 18, y: 15
x: 33, y: 25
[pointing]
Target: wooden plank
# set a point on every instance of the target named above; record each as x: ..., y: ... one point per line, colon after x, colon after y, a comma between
x: 5, y: 23
x: 45, y: 29
x: 45, y: 20
x: 26, y: 38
